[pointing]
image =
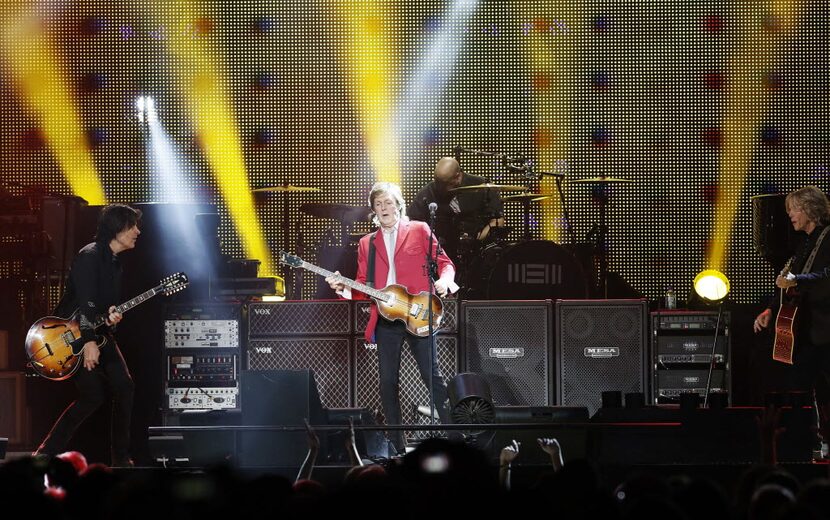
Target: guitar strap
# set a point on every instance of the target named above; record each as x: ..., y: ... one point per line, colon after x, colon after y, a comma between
x: 370, y: 273
x: 809, y: 263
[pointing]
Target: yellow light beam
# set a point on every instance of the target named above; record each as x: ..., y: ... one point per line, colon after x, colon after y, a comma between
x: 41, y: 78
x: 552, y: 32
x: 747, y: 99
x: 200, y: 78
x: 372, y: 60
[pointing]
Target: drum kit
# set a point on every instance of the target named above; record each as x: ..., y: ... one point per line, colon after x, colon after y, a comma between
x: 497, y: 268
x: 535, y: 269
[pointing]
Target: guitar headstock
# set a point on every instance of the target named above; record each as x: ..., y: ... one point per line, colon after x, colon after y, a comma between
x: 290, y: 260
x: 173, y: 283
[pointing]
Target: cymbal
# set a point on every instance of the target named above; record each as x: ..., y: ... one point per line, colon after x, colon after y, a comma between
x: 285, y: 188
x: 526, y: 197
x: 487, y: 186
x: 341, y: 212
x: 601, y: 179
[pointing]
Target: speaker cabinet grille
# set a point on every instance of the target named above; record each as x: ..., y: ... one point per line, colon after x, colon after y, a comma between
x: 508, y: 343
x: 449, y: 325
x: 600, y: 345
x: 328, y: 358
x: 411, y: 390
x: 304, y: 318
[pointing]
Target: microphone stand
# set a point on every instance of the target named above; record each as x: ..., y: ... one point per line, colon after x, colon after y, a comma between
x: 712, y: 361
x: 432, y: 272
x: 531, y: 173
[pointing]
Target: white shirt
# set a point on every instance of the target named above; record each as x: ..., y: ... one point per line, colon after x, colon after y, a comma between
x: 390, y: 238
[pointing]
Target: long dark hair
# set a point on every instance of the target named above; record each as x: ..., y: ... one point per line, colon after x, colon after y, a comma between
x: 114, y: 219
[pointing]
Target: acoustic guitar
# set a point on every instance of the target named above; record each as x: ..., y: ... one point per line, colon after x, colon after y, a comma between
x: 54, y: 345
x: 782, y: 347
x: 394, y: 302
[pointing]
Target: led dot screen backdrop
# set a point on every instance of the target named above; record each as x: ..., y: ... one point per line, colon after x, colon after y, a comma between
x: 702, y: 104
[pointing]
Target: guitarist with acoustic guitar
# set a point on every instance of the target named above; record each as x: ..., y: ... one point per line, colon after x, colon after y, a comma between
x: 803, y: 320
x: 399, y: 249
x: 94, y: 289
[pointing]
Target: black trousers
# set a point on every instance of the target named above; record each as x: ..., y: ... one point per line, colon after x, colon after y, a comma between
x: 390, y: 337
x: 109, y: 378
x: 810, y: 373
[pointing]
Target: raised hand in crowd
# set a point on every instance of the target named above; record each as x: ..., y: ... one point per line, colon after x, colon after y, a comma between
x: 506, y: 457
x: 554, y: 450
x: 311, y: 457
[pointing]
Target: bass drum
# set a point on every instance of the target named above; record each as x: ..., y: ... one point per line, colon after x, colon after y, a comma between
x: 536, y: 270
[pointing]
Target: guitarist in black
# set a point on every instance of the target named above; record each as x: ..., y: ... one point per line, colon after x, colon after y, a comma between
x: 809, y: 211
x: 94, y: 287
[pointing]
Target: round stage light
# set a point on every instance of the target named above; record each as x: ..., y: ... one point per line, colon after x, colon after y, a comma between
x: 712, y: 286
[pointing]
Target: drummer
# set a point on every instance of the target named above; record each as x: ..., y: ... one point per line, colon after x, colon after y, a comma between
x: 461, y: 215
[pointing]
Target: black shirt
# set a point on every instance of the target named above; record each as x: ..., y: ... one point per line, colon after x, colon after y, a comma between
x: 94, y: 286
x: 474, y: 210
x: 813, y: 288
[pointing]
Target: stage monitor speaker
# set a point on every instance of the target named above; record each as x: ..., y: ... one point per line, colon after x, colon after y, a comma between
x: 508, y: 343
x: 370, y: 444
x: 329, y: 358
x: 302, y: 318
x: 277, y: 398
x: 600, y: 346
x: 412, y: 392
x: 206, y: 447
x: 546, y: 421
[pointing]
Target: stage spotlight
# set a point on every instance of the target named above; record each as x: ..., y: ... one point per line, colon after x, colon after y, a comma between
x: 146, y: 109
x: 711, y: 286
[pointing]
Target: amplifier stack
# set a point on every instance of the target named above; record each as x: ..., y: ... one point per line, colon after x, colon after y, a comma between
x: 681, y: 351
x: 202, y: 357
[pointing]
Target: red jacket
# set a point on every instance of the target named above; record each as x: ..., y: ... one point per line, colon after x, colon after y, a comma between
x: 410, y: 259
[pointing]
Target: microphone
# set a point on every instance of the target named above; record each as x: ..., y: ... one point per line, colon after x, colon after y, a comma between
x: 433, y: 207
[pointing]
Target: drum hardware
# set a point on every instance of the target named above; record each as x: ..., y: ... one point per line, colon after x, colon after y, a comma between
x: 531, y: 270
x: 490, y: 186
x: 526, y: 199
x: 341, y: 212
x: 293, y: 286
x: 286, y: 188
x: 601, y: 180
x: 601, y: 230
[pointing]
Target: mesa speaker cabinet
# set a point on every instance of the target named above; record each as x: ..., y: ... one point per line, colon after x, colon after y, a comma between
x: 509, y: 344
x: 301, y: 318
x: 328, y: 357
x: 412, y: 392
x: 600, y: 345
